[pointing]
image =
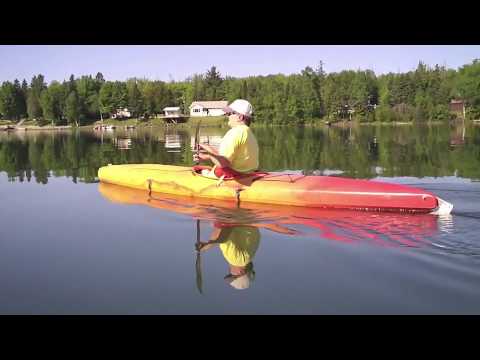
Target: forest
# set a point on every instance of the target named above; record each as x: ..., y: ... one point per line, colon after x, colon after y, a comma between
x: 307, y: 97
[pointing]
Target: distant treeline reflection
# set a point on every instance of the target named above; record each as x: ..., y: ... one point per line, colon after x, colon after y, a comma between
x: 361, y: 152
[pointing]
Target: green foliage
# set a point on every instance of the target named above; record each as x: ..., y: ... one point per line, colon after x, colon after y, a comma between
x: 135, y: 99
x: 7, y: 100
x: 420, y: 95
x: 72, y: 110
x: 48, y: 106
x: 468, y: 87
x: 37, y: 85
x: 34, y: 109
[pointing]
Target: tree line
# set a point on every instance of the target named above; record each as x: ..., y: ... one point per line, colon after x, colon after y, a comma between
x: 419, y: 95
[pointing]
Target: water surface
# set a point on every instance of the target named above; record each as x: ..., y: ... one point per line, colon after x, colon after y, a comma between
x: 70, y: 245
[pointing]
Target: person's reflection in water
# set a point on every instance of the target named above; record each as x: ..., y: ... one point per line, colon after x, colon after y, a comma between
x: 238, y: 244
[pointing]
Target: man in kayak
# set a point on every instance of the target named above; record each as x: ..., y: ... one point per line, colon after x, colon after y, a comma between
x: 238, y: 244
x: 238, y: 150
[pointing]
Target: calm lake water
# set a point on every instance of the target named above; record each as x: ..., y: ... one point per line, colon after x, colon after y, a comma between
x: 70, y: 245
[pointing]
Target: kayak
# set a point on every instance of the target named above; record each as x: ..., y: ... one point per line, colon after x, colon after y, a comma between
x: 347, y: 226
x: 276, y: 188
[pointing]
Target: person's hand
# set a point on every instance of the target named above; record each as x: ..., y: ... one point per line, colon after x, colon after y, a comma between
x: 203, y: 146
x: 208, y: 148
x: 200, y: 156
x: 199, y: 246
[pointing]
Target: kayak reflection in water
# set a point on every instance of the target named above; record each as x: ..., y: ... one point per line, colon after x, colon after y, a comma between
x: 238, y: 244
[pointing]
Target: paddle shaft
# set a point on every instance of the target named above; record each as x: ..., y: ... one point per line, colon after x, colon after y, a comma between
x: 198, y: 264
x: 197, y: 141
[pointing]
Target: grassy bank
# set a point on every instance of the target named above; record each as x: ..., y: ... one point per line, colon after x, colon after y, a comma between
x: 190, y: 121
x: 117, y: 122
x: 208, y: 121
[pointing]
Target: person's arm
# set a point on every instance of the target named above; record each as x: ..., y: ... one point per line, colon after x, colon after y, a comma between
x: 220, y: 161
x: 208, y: 148
x: 214, y: 240
x: 213, y: 156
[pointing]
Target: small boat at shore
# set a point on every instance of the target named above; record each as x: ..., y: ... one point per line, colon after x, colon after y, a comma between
x: 7, y: 128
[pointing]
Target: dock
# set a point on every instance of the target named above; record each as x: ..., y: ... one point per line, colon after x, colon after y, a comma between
x: 173, y: 119
x: 7, y: 127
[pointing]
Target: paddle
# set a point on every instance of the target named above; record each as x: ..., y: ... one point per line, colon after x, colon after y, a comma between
x: 198, y: 264
x: 197, y: 141
x: 198, y: 261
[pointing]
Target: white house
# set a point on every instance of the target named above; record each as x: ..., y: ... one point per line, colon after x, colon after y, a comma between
x: 121, y: 114
x: 207, y: 108
x: 213, y: 140
x: 172, y: 111
x: 173, y: 143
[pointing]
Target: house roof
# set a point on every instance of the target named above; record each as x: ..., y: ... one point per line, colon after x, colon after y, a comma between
x: 171, y: 108
x: 456, y: 102
x: 210, y: 104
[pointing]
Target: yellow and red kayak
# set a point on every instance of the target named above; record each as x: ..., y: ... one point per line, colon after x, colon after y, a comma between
x: 276, y: 188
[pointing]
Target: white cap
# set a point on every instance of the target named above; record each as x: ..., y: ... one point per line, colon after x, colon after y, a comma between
x: 241, y: 282
x: 240, y: 106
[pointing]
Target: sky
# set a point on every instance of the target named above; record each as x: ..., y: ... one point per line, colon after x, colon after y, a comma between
x: 166, y: 63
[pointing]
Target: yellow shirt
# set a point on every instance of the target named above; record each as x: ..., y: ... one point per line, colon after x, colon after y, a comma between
x: 240, y: 147
x: 240, y: 243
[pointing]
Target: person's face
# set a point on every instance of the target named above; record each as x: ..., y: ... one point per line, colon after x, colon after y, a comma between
x: 233, y: 119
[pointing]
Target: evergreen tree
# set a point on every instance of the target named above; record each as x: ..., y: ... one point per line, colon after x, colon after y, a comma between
x: 38, y: 84
x: 20, y: 100
x: 213, y: 82
x: 99, y: 78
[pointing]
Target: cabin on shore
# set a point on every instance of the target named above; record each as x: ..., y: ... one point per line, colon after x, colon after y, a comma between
x: 172, y: 114
x: 122, y: 114
x: 208, y: 108
x: 457, y: 107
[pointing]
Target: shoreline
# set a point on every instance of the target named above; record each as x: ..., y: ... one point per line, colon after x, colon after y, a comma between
x: 206, y: 122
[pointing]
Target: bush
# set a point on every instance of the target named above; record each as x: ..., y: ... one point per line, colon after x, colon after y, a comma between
x: 384, y: 114
x: 442, y: 113
x: 472, y: 113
